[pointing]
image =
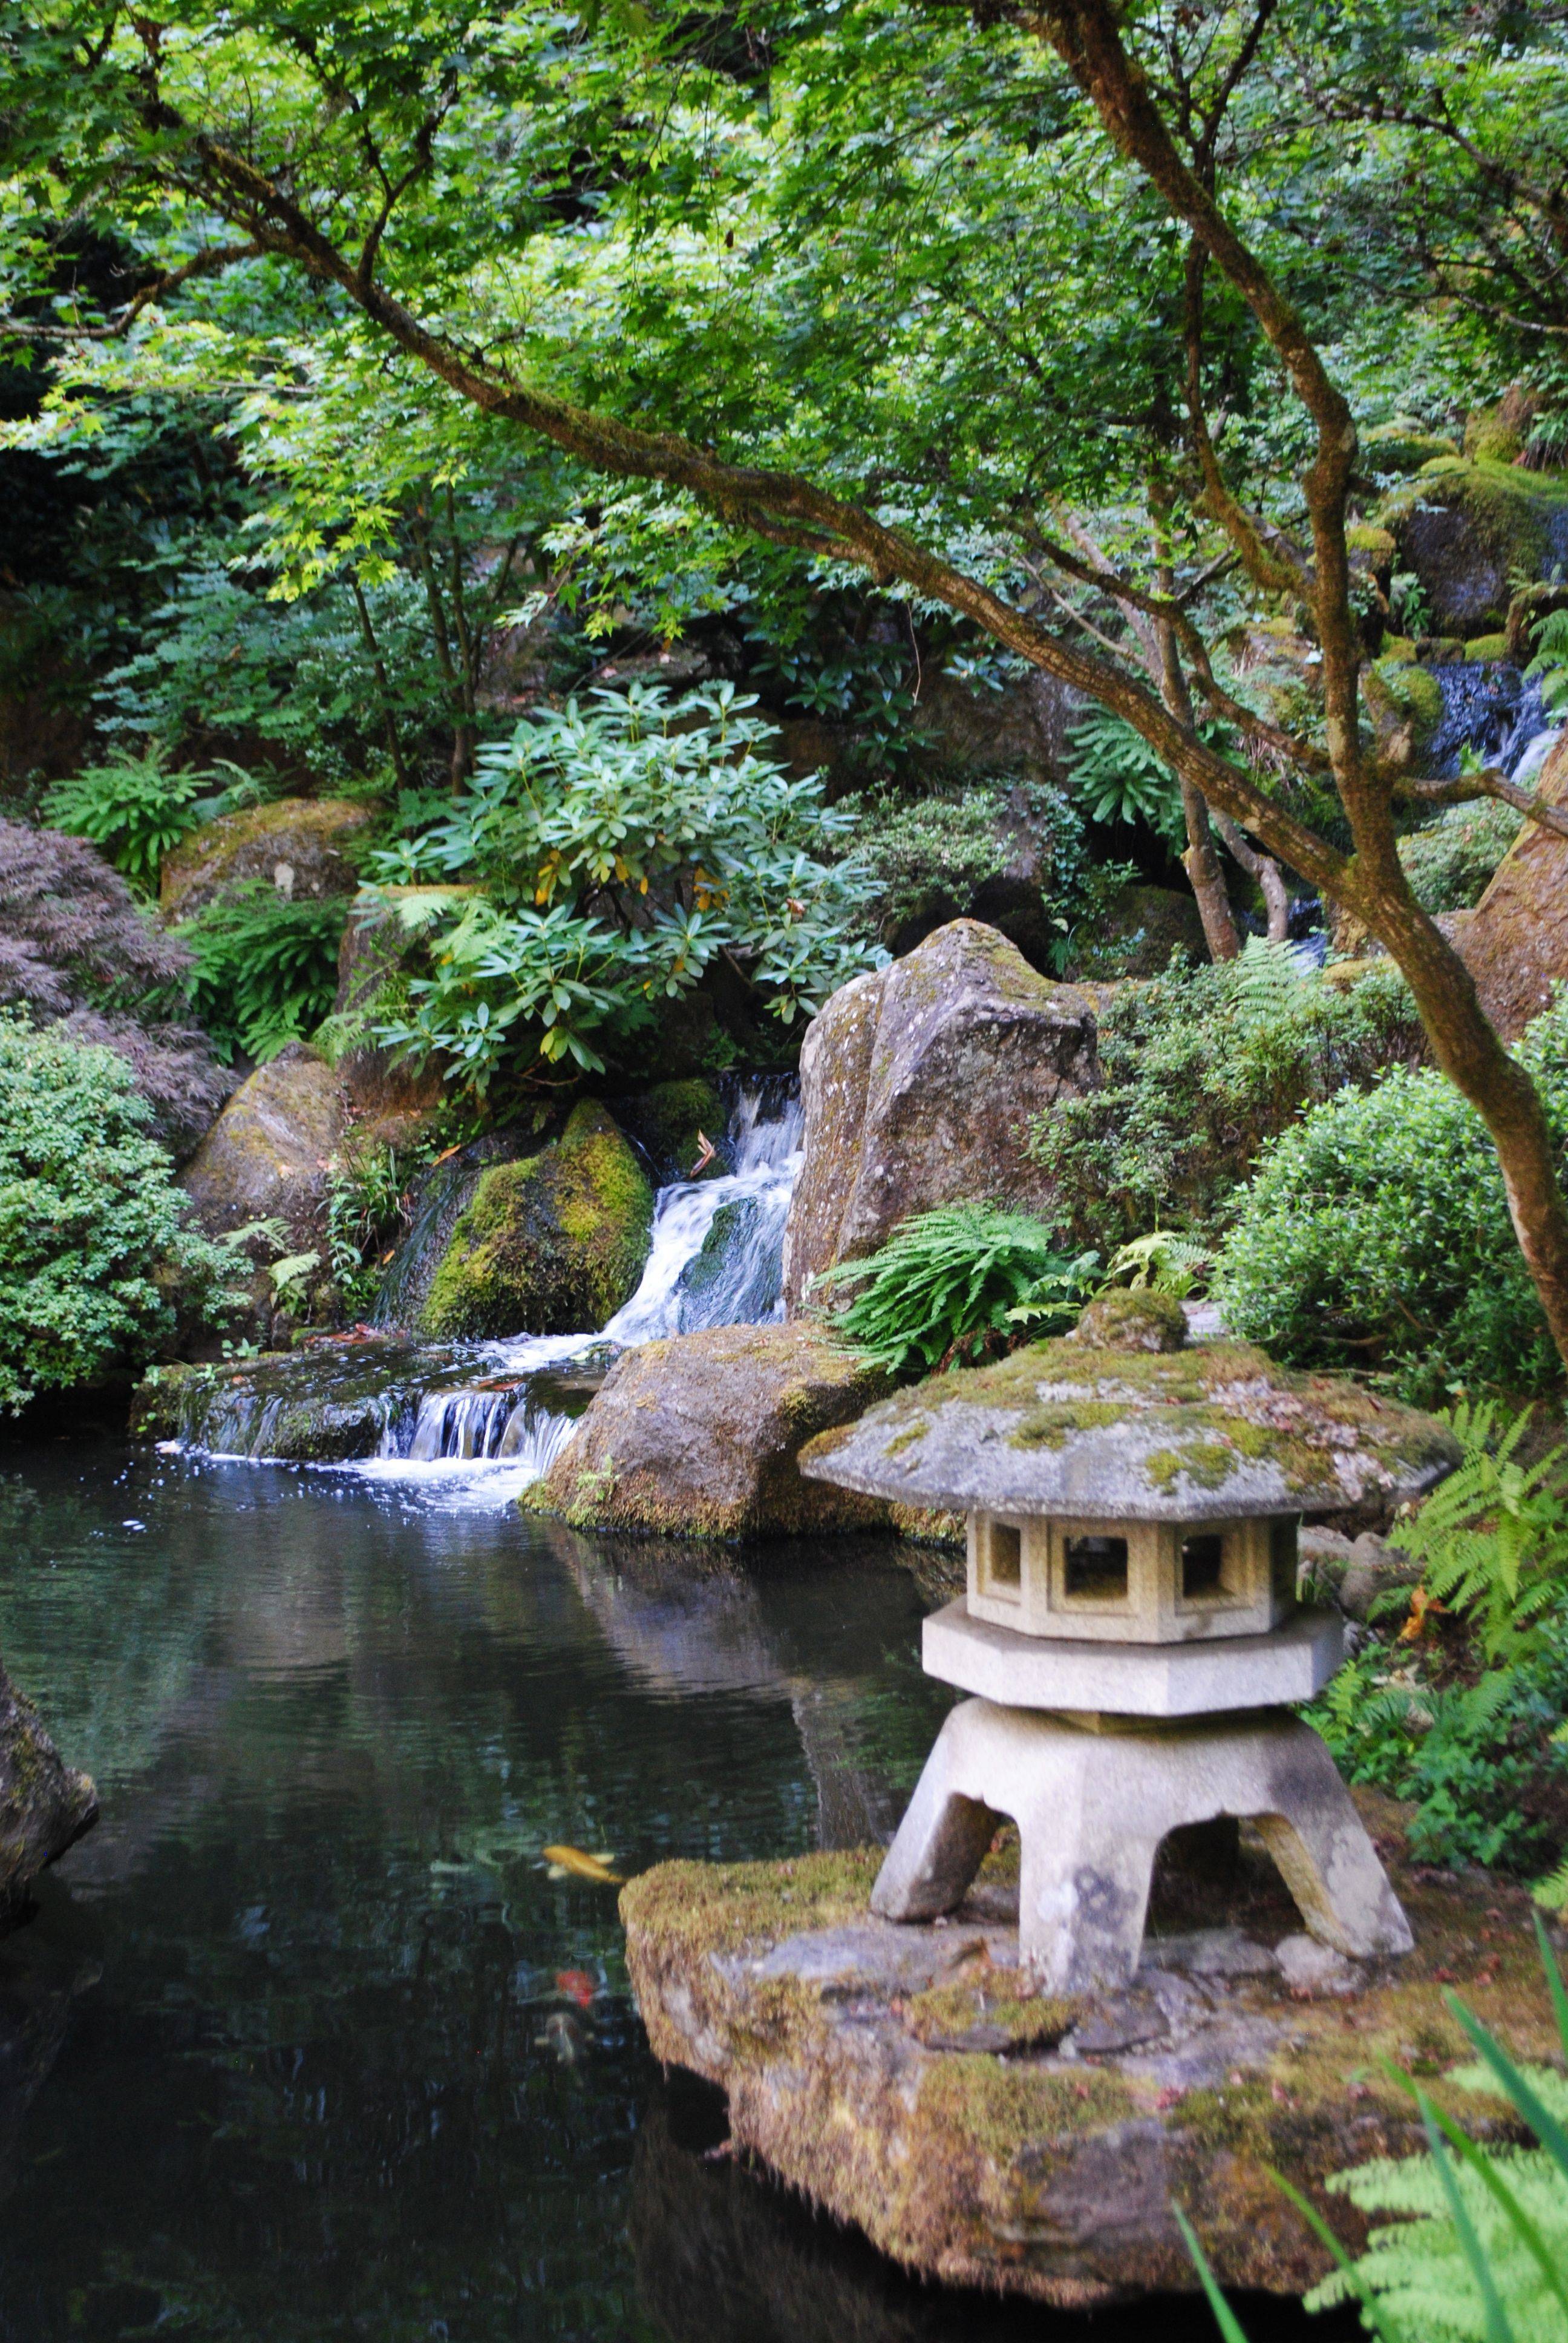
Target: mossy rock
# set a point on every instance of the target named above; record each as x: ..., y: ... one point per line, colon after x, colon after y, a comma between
x: 697, y: 1436
x: 44, y: 1804
x: 1132, y: 1319
x: 905, y: 2078
x: 303, y: 847
x: 548, y: 1245
x: 1467, y: 528
x: 1404, y: 445
x: 1143, y: 926
x: 1405, y: 704
x: 671, y: 1122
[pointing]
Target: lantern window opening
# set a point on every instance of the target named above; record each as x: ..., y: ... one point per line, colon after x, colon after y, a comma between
x: 1094, y: 1568
x: 1004, y: 1559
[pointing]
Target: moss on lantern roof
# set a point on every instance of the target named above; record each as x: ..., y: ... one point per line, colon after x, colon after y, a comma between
x: 1074, y: 1428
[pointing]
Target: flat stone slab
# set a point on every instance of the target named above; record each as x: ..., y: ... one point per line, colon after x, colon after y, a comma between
x: 1291, y: 1663
x: 907, y: 2079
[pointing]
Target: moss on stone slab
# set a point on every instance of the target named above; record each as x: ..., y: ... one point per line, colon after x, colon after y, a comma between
x: 1030, y: 2167
x: 549, y: 1244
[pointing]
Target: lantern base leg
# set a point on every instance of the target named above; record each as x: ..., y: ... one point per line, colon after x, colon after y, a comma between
x: 1092, y: 1808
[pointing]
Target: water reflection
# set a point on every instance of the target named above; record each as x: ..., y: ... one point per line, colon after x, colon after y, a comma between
x: 304, y: 2041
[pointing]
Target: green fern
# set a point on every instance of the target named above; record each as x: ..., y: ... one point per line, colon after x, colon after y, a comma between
x: 1267, y: 978
x: 1550, y: 660
x: 1160, y: 1262
x: 949, y: 1281
x: 1493, y: 1539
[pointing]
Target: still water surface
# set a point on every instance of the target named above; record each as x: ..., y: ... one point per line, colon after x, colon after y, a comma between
x: 304, y: 2042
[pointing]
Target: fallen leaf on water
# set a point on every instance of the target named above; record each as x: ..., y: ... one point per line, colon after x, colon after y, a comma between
x: 564, y: 1859
x: 577, y: 1985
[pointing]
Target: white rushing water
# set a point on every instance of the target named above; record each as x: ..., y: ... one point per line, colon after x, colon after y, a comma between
x: 715, y: 1259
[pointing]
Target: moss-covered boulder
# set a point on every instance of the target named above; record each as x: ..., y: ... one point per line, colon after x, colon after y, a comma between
x: 906, y: 2080
x: 300, y: 846
x: 697, y: 1436
x: 267, y: 1155
x: 45, y: 1803
x: 919, y: 1082
x: 1404, y: 445
x: 1465, y: 528
x: 549, y: 1244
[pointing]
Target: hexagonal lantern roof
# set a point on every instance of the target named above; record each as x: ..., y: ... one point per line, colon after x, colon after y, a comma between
x: 1097, y: 1433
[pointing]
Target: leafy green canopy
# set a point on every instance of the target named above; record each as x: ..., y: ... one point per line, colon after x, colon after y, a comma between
x: 94, y: 1241
x: 601, y: 862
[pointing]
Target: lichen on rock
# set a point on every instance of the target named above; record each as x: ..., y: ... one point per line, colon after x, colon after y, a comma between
x: 548, y: 1244
x: 300, y: 846
x: 1143, y: 1434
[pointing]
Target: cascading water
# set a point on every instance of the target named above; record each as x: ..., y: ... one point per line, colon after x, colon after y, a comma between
x: 503, y: 1409
x: 1490, y: 708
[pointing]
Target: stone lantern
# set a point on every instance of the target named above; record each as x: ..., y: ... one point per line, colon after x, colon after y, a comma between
x: 1130, y: 1633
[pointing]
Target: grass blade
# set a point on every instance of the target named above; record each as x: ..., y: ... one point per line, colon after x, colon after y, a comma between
x: 1498, y: 2329
x: 1516, y: 2087
x: 1225, y: 2318
x: 1378, y: 2316
x: 1554, y: 1981
x: 1486, y: 2170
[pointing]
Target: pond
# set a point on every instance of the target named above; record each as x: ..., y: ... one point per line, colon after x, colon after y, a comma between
x: 307, y: 2040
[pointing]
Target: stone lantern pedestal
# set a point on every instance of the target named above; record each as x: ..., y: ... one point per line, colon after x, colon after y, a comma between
x: 1130, y: 1630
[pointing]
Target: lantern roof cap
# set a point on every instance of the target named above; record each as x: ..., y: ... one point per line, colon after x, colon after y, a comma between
x: 1085, y: 1432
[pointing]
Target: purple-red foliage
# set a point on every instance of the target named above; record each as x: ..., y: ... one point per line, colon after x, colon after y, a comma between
x: 75, y: 947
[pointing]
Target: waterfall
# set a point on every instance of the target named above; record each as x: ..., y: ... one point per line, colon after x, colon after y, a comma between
x: 716, y: 1258
x: 484, y: 1418
x: 1489, y: 707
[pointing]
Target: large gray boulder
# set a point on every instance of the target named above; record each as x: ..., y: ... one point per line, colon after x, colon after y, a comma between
x: 697, y: 1436
x: 44, y: 1804
x: 920, y: 1081
x: 266, y: 1156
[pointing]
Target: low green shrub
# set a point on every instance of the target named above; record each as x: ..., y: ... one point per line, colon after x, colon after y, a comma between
x: 923, y: 853
x: 946, y: 1284
x: 264, y: 970
x: 1451, y: 863
x: 1376, y: 1234
x: 94, y: 1241
x: 1200, y: 1068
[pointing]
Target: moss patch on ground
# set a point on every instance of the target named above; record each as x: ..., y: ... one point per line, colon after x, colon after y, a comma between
x: 548, y: 1245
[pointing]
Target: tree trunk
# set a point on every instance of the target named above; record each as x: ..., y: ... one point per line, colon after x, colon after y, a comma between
x: 1265, y: 870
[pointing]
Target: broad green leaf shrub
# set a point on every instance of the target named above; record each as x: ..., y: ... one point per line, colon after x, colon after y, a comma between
x: 136, y: 809
x: 94, y: 1241
x: 1375, y: 1233
x: 264, y: 970
x: 946, y: 1284
x: 602, y: 859
x: 1200, y: 1068
x: 1116, y: 777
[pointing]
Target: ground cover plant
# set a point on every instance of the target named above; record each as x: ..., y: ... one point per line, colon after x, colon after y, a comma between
x: 952, y: 1283
x: 1478, y: 2248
